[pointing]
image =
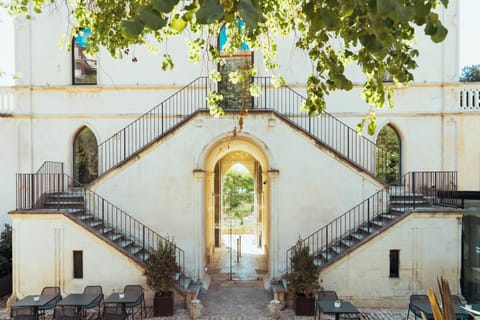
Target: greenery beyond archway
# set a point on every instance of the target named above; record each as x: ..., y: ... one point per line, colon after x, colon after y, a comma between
x: 85, y: 156
x: 388, y: 169
x: 238, y: 197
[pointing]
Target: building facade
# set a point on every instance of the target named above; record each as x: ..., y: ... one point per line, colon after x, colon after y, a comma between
x: 159, y: 159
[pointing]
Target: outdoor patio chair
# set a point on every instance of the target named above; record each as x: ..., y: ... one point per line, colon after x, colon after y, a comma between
x: 414, y: 299
x: 66, y: 313
x: 52, y: 291
x: 114, y: 312
x: 139, y: 303
x: 23, y: 313
x: 96, y: 303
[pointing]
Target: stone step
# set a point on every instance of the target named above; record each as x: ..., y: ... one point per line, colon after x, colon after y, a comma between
x: 125, y: 243
x: 348, y: 242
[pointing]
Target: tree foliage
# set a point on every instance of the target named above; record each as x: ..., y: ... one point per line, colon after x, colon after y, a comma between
x: 6, y: 251
x: 470, y: 73
x: 377, y: 35
x: 162, y: 267
x: 303, y: 279
x: 237, y: 193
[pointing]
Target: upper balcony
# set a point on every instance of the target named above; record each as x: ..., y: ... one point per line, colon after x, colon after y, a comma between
x: 7, y: 101
x: 469, y: 97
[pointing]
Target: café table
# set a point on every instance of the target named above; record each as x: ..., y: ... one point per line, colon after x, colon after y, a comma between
x: 78, y: 300
x: 34, y: 301
x: 328, y: 307
x: 123, y: 298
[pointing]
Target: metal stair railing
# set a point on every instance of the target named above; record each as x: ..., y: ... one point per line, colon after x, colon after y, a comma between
x: 283, y: 100
x: 326, y: 128
x: 427, y: 185
x: 153, y: 124
x: 34, y: 189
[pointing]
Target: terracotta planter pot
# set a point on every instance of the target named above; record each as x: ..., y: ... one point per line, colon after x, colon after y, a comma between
x: 163, y: 304
x: 304, y: 305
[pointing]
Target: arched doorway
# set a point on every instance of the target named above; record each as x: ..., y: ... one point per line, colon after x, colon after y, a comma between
x: 236, y: 225
x: 389, y: 167
x: 85, y: 156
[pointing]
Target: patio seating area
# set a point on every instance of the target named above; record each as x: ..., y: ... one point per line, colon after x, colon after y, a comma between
x: 90, y: 304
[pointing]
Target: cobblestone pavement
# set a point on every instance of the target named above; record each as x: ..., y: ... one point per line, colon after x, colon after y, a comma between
x: 242, y: 303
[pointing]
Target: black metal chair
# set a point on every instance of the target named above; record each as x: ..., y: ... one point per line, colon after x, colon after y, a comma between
x: 66, y: 313
x: 51, y: 291
x: 23, y: 313
x: 414, y: 299
x: 96, y: 303
x: 139, y: 303
x: 113, y: 311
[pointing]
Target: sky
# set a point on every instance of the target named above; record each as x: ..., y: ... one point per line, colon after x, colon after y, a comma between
x: 469, y: 43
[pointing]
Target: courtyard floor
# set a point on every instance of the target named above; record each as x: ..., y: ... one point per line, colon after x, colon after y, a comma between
x: 243, y: 303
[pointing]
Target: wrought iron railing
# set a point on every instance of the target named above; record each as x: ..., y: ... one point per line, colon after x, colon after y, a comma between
x: 418, y: 189
x: 469, y: 98
x: 283, y: 100
x: 156, y: 122
x: 34, y: 189
x: 325, y: 127
x: 51, y: 167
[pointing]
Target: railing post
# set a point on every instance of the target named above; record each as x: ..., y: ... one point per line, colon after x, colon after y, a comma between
x: 103, y: 211
x: 368, y: 215
x: 124, y: 144
x: 326, y: 243
x: 413, y: 190
x: 32, y: 191
x: 143, y: 243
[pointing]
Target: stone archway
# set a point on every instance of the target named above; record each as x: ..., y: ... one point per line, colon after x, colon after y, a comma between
x: 219, y: 158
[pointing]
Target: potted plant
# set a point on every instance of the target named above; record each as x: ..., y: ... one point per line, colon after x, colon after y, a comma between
x: 303, y: 280
x: 160, y: 274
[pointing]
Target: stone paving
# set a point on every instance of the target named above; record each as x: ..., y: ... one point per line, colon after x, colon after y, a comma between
x: 244, y: 303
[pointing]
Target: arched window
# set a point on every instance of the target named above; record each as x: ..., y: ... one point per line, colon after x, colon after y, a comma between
x: 388, y: 166
x: 85, y: 156
x: 234, y: 95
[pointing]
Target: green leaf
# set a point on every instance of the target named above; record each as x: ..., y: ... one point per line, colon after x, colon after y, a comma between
x: 250, y: 14
x: 164, y: 5
x: 151, y: 18
x: 440, y: 34
x: 211, y: 11
x: 131, y: 29
x: 178, y: 23
x: 385, y: 7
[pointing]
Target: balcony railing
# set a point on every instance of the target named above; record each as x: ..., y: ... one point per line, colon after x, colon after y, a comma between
x: 469, y: 98
x: 7, y: 100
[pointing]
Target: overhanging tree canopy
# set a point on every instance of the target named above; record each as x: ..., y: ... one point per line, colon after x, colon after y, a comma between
x: 375, y: 34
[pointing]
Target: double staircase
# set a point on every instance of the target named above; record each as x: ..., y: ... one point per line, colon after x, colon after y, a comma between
x: 50, y: 188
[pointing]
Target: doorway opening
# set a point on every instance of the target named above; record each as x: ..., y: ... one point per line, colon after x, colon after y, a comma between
x: 85, y: 156
x: 389, y: 167
x: 239, y: 245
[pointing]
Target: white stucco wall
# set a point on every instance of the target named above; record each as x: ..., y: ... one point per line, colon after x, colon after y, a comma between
x: 430, y: 246
x: 43, y: 256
